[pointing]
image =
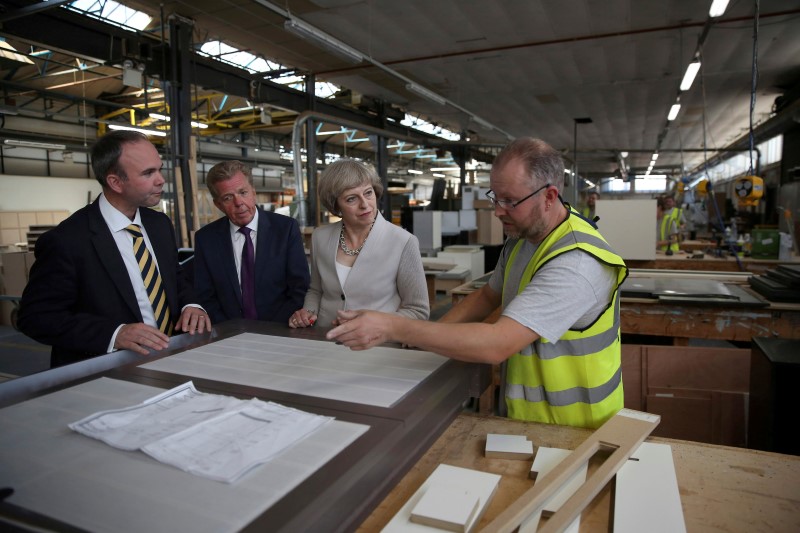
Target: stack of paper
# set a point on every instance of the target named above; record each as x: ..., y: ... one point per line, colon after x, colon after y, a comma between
x: 218, y: 437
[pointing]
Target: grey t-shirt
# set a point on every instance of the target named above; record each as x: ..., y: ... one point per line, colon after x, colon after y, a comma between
x: 569, y: 291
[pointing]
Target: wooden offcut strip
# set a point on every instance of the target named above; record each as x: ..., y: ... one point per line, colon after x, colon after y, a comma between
x: 623, y: 433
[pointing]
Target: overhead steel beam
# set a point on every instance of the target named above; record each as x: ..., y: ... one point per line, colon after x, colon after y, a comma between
x: 106, y: 43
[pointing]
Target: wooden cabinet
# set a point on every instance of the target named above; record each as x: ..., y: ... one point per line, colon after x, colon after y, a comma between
x: 774, y: 374
x: 701, y: 393
x: 15, y: 225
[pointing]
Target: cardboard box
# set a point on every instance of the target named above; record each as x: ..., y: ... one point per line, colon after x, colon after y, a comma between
x: 483, y: 203
x: 490, y: 229
x: 428, y: 229
x: 470, y: 258
x: 765, y: 244
x: 16, y: 266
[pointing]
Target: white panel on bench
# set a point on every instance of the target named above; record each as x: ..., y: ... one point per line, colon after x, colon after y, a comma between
x: 647, y: 496
x: 380, y: 376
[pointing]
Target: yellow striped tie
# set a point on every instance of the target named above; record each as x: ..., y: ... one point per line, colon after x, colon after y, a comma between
x: 152, y: 280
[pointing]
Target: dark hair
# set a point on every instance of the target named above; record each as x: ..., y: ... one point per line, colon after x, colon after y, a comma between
x: 107, y: 151
x: 543, y: 163
x: 345, y: 174
x: 223, y: 172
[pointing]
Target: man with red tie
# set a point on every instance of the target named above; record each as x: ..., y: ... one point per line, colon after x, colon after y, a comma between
x: 251, y: 263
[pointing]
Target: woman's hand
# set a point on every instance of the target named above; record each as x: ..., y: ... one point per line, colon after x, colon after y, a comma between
x: 302, y: 318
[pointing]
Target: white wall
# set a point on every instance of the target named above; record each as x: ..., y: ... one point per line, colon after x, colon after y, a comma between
x: 27, y: 193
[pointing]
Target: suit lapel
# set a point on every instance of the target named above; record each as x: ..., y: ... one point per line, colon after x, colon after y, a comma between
x: 228, y: 262
x: 107, y: 252
x: 263, y: 260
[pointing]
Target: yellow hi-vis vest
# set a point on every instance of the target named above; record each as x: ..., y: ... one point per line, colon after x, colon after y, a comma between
x: 667, y: 227
x: 576, y: 380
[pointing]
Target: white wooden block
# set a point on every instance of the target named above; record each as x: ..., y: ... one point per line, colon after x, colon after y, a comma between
x: 446, y: 507
x: 647, y: 496
x: 508, y: 446
x: 482, y: 484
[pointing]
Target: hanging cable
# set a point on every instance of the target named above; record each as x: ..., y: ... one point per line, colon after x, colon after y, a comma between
x: 754, y: 84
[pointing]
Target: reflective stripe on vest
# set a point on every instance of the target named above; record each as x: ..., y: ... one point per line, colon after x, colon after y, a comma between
x: 577, y: 379
x: 566, y: 397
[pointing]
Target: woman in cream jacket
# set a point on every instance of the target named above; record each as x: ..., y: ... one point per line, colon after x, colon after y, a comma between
x: 362, y: 261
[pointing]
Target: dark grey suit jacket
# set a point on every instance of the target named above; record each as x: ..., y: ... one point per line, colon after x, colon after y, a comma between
x: 282, y: 273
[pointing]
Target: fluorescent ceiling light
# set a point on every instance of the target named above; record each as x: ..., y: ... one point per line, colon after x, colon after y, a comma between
x: 426, y: 93
x: 655, y: 156
x: 34, y: 144
x: 444, y: 169
x: 328, y: 42
x: 624, y: 154
x: 673, y: 111
x: 688, y: 78
x: 157, y: 133
x: 165, y: 118
x: 718, y: 7
x: 414, y: 171
x: 334, y: 132
x: 437, y: 175
x: 238, y: 109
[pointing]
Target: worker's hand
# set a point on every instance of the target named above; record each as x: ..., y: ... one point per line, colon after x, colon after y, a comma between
x: 302, y: 318
x: 140, y: 338
x: 193, y: 320
x: 360, y: 330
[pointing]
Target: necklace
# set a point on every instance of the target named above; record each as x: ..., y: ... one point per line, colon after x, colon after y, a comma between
x: 344, y: 246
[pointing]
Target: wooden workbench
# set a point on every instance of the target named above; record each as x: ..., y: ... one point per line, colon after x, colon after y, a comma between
x: 720, y: 321
x: 684, y: 261
x: 682, y: 321
x: 335, y: 498
x: 722, y: 489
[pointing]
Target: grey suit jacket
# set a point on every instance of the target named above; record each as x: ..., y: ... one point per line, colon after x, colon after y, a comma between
x: 387, y: 276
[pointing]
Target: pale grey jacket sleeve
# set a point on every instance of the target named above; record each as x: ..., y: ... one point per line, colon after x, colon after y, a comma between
x: 411, y: 283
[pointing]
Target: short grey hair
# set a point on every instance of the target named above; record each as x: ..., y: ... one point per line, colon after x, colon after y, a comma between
x: 345, y: 174
x: 543, y: 163
x: 223, y: 172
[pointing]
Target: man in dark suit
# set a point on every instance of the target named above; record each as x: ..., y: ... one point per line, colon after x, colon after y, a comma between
x: 87, y: 294
x: 269, y: 280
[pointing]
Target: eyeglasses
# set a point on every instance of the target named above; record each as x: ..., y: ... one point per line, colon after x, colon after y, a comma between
x: 509, y: 204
